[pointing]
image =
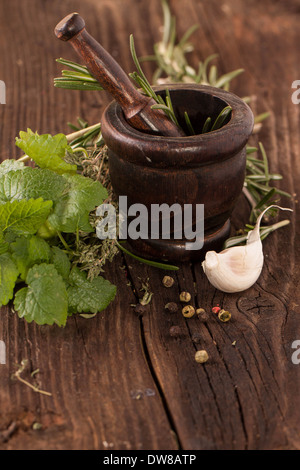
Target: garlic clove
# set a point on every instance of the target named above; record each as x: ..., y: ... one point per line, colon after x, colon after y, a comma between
x: 234, y: 269
x: 237, y: 268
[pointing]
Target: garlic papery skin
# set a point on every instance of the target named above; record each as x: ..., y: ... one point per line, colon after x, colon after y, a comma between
x: 237, y: 268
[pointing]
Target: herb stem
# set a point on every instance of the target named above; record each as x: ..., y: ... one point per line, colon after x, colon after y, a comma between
x: 249, y: 197
x: 24, y: 158
x: 146, y: 261
x: 82, y: 132
x: 17, y: 375
x: 64, y: 242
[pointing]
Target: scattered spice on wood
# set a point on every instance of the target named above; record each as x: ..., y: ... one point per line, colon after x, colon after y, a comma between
x: 196, y: 337
x: 224, y: 315
x: 185, y: 297
x: 147, y: 293
x: 175, y: 331
x: 17, y: 375
x: 136, y: 394
x: 201, y: 356
x: 172, y: 307
x: 36, y: 426
x: 188, y: 311
x: 168, y: 281
x: 202, y: 314
x: 140, y: 309
x: 216, y: 309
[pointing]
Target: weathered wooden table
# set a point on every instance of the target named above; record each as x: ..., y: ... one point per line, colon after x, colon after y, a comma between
x: 119, y: 381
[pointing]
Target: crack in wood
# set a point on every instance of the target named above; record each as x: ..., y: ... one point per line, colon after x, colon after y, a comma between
x: 240, y: 408
x: 149, y: 362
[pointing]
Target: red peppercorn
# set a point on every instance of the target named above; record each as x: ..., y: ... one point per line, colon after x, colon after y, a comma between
x: 216, y: 310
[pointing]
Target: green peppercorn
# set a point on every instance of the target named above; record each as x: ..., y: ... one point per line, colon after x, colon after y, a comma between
x: 224, y: 315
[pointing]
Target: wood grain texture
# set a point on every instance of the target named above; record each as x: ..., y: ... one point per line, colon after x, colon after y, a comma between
x: 119, y: 381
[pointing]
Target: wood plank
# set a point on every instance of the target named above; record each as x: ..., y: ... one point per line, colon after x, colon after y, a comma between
x: 101, y: 386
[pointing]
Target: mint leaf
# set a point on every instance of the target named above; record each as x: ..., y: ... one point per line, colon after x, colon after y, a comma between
x: 24, y: 217
x: 8, y: 276
x: 46, y: 151
x: 27, y: 251
x: 72, y: 211
x: 61, y: 262
x: 31, y: 183
x: 45, y: 299
x: 4, y: 245
x: 89, y: 296
x: 10, y: 165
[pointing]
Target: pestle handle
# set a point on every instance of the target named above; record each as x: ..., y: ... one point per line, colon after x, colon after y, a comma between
x: 136, y: 107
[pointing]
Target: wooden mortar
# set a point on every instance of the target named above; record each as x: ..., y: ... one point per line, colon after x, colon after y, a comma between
x: 204, y: 169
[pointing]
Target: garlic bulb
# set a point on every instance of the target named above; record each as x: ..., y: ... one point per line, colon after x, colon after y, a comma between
x: 237, y: 268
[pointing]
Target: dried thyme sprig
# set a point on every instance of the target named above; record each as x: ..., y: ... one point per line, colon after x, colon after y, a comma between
x: 90, y: 253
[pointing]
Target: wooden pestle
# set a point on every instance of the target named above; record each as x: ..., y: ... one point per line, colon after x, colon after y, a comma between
x: 136, y: 107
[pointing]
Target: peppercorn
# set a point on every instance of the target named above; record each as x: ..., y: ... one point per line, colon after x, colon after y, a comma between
x: 175, y: 330
x: 140, y: 309
x: 216, y: 309
x: 196, y: 337
x: 202, y: 314
x: 185, y: 297
x: 188, y: 311
x: 224, y: 315
x: 168, y: 281
x: 201, y: 356
x: 172, y: 307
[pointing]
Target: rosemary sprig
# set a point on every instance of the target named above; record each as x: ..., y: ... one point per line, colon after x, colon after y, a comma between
x: 142, y: 81
x: 257, y: 184
x: 264, y: 232
x: 172, y: 64
x: 221, y: 118
x: 78, y: 78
